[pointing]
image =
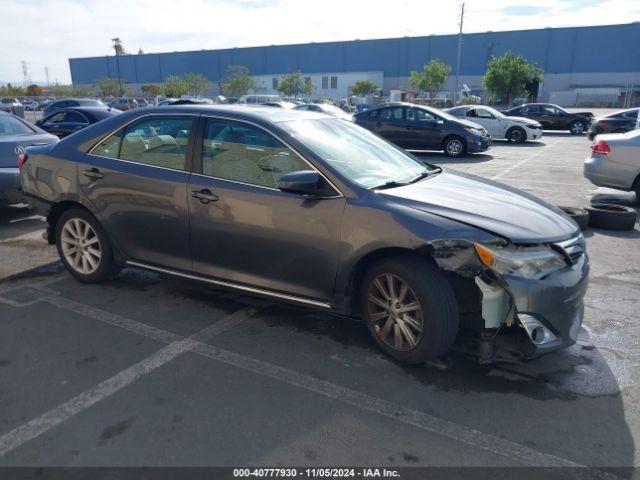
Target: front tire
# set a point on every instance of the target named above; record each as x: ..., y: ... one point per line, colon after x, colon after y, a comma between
x: 84, y: 247
x: 409, y: 308
x: 516, y: 135
x: 577, y: 127
x: 455, y: 147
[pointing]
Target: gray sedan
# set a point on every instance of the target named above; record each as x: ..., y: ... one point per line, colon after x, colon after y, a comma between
x: 615, y: 161
x: 16, y: 134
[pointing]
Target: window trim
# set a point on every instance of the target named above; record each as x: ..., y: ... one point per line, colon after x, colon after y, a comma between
x: 188, y: 160
x: 197, y: 155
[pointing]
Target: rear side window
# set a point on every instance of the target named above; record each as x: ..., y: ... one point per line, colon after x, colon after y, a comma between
x: 12, y: 126
x: 156, y: 141
x: 75, y: 117
x: 391, y: 113
x: 243, y: 153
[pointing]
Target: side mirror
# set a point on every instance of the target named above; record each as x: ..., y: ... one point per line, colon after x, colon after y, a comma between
x: 305, y: 182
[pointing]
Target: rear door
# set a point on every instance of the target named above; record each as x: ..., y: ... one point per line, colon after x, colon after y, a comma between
x: 389, y: 123
x: 136, y: 181
x: 245, y: 230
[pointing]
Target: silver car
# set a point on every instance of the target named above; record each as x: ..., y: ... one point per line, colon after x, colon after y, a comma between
x: 15, y: 135
x: 615, y: 161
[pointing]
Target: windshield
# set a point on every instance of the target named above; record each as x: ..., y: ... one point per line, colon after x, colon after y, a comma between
x: 356, y: 153
x: 494, y: 112
x: 335, y: 111
x: 12, y: 126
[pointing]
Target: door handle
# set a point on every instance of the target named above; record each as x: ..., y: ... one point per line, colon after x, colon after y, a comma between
x: 93, y: 174
x: 205, y: 195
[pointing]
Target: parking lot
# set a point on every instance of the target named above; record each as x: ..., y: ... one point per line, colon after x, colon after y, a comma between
x: 155, y: 371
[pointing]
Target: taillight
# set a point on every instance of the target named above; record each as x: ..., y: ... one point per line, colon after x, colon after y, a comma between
x: 22, y: 158
x: 601, y: 147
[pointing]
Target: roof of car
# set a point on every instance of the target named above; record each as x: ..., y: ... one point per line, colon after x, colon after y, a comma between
x: 245, y: 112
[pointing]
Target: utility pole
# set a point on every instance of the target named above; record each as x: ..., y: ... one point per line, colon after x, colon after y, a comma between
x: 25, y: 74
x: 46, y: 74
x: 117, y: 46
x: 456, y: 93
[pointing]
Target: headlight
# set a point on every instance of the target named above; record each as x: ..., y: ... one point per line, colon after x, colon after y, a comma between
x: 474, y: 131
x: 528, y: 262
x: 535, y: 125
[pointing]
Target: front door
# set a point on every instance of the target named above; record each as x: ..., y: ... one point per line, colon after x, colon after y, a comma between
x: 422, y: 130
x: 246, y: 231
x: 488, y: 121
x: 136, y: 181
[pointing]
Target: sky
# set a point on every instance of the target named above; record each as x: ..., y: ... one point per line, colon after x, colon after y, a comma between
x: 46, y: 33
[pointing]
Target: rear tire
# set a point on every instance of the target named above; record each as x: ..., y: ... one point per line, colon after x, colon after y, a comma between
x: 83, y: 247
x: 516, y: 135
x: 455, y: 147
x: 408, y: 293
x: 577, y: 127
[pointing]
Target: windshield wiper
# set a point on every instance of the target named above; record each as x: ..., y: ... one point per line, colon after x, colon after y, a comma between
x: 426, y: 173
x: 389, y: 184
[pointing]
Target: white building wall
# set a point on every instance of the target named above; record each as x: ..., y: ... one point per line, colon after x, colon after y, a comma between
x: 343, y: 81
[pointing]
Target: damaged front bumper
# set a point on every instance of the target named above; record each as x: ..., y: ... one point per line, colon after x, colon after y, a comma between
x: 549, y: 310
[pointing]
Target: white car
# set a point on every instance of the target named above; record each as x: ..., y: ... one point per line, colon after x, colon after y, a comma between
x: 514, y: 129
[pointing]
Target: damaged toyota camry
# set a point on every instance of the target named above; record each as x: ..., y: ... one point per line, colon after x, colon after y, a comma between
x: 307, y: 208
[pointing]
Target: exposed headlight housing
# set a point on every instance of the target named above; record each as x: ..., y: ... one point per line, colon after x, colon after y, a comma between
x: 526, y: 262
x: 474, y: 131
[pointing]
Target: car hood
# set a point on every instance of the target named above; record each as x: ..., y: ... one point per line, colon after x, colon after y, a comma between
x: 8, y: 144
x: 491, y: 206
x: 524, y: 120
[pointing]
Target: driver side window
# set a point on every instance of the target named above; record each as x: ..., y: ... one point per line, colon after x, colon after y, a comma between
x: 243, y: 153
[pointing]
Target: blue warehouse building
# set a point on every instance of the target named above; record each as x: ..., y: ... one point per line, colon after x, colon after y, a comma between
x: 599, y: 61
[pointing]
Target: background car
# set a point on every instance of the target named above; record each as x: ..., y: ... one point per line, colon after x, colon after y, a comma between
x: 514, y: 129
x: 185, y: 101
x: 617, y: 122
x: 416, y: 127
x: 615, y: 162
x: 282, y: 104
x: 142, y: 102
x: 70, y: 120
x: 124, y: 103
x: 11, y: 105
x: 553, y: 117
x: 325, y: 108
x: 72, y: 102
x: 16, y: 133
x: 30, y: 105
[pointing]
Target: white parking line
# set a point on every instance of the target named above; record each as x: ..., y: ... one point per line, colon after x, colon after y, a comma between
x: 394, y: 411
x: 76, y: 405
x: 525, y: 160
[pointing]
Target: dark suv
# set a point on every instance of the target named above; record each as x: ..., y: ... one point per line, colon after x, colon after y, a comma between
x: 311, y: 209
x: 416, y: 127
x: 553, y: 117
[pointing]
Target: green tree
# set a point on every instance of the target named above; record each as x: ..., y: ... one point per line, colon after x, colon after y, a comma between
x: 197, y: 84
x: 175, y: 86
x: 151, y: 89
x: 238, y: 82
x: 109, y: 87
x: 34, y: 91
x: 431, y: 78
x: 508, y: 75
x: 294, y: 84
x: 362, y: 88
x: 10, y: 91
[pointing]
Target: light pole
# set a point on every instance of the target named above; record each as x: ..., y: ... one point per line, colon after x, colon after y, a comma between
x: 117, y: 46
x: 456, y: 93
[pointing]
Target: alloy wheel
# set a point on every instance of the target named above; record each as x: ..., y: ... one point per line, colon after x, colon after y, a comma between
x: 81, y: 246
x: 577, y: 127
x: 395, y: 312
x: 515, y: 135
x: 454, y: 147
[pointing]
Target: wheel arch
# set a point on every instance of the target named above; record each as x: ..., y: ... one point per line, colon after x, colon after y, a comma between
x: 365, y: 262
x: 54, y: 214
